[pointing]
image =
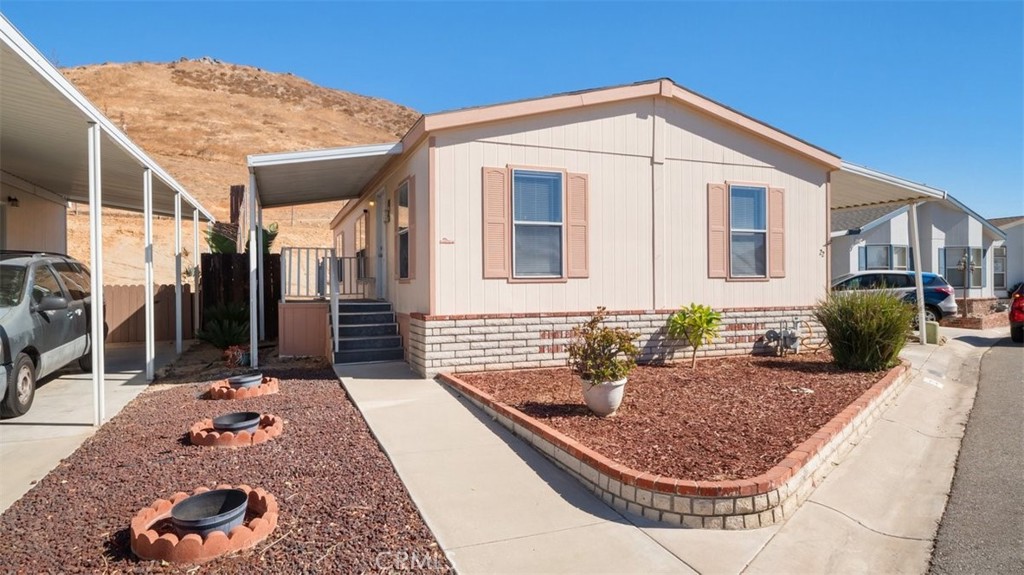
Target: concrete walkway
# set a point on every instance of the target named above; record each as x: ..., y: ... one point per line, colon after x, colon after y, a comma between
x: 61, y: 417
x: 496, y: 505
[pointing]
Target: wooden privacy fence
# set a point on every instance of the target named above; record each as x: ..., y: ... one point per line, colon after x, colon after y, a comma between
x: 126, y: 316
x: 225, y: 279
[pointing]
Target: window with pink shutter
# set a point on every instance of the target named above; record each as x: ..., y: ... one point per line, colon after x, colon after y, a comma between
x: 746, y: 231
x: 496, y: 222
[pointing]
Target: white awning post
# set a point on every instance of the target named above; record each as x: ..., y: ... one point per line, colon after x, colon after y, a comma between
x: 918, y: 280
x: 336, y: 332
x: 96, y: 281
x: 147, y: 225
x: 195, y: 271
x: 177, y: 273
x: 253, y: 278
x: 259, y: 270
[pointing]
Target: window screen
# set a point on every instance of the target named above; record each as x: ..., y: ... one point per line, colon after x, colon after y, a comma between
x: 748, y: 234
x: 537, y: 223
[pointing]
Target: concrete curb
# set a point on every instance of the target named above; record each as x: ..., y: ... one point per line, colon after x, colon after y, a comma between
x: 760, y: 501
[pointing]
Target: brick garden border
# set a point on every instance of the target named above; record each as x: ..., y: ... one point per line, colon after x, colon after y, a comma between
x: 737, y: 504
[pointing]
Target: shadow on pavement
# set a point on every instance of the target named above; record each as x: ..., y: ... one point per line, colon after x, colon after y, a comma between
x: 561, y: 482
x: 980, y: 341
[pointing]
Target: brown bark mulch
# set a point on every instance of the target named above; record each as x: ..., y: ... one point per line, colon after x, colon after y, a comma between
x: 730, y: 418
x: 343, y: 508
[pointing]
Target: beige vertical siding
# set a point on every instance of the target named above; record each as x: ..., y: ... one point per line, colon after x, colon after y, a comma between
x: 700, y: 150
x: 612, y: 144
x: 632, y: 169
x: 411, y: 296
x: 37, y: 224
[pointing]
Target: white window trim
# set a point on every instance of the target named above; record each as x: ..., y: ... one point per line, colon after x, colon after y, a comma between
x: 515, y: 223
x: 763, y: 232
x: 999, y: 256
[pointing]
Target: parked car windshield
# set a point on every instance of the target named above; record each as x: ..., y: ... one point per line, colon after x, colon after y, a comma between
x: 12, y: 284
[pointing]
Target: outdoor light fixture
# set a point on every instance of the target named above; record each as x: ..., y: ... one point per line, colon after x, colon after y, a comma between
x: 12, y: 201
x: 372, y: 203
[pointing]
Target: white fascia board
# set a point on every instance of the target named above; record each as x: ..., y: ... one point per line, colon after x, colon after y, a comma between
x: 283, y: 158
x: 13, y: 38
x: 893, y: 180
x: 985, y: 223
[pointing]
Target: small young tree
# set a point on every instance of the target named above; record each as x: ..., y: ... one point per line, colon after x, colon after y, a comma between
x: 697, y: 324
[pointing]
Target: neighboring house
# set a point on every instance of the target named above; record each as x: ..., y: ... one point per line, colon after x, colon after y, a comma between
x: 1011, y: 255
x: 956, y: 243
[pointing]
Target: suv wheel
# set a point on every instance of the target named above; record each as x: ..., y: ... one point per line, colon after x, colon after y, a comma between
x: 21, y: 387
x: 1017, y: 334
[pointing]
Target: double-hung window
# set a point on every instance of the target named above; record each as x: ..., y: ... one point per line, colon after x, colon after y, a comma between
x: 999, y: 267
x: 403, y: 230
x: 537, y: 222
x: 747, y: 231
x: 886, y: 257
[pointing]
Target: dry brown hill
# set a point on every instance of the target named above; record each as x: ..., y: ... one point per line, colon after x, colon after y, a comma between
x: 199, y: 119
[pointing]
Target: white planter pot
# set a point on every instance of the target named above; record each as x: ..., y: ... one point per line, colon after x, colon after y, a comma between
x: 604, y: 398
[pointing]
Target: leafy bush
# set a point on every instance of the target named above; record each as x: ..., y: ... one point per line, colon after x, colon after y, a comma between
x: 598, y: 353
x: 697, y: 324
x: 226, y: 325
x: 866, y: 329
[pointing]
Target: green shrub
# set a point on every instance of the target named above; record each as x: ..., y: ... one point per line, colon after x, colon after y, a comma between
x: 598, y: 353
x: 233, y: 311
x: 697, y: 324
x: 226, y: 325
x: 866, y: 329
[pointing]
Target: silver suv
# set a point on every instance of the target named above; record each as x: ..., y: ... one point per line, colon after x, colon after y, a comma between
x: 45, y: 308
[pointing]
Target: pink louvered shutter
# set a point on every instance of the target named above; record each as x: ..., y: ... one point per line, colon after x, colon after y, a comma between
x: 496, y: 221
x: 577, y: 208
x: 776, y: 233
x: 718, y: 231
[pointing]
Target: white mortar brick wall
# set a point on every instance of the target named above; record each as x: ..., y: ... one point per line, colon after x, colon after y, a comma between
x: 478, y: 344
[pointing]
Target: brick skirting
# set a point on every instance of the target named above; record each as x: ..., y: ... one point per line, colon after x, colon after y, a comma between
x: 742, y: 504
x: 515, y: 341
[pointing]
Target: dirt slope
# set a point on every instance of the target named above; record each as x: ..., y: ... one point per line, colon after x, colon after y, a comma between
x: 199, y: 119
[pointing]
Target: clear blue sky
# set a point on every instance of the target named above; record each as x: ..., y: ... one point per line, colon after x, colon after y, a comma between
x: 933, y: 92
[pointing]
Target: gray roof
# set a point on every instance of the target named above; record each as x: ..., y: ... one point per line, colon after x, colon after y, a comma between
x: 1000, y: 222
x: 855, y: 219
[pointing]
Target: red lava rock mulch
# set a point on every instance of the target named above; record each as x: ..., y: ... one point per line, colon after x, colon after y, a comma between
x: 730, y: 418
x: 343, y: 508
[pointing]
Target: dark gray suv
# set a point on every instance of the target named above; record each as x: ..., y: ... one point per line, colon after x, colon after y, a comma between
x: 45, y: 309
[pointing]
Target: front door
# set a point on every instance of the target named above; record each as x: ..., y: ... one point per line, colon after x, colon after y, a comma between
x: 382, y: 252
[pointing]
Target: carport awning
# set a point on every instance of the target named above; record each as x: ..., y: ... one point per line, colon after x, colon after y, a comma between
x: 857, y: 187
x: 295, y: 178
x: 43, y: 136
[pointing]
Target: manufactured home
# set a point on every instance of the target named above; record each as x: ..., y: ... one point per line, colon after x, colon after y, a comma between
x: 483, y: 236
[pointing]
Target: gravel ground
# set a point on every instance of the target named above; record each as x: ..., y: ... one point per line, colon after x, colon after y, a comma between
x: 343, y: 507
x: 730, y: 418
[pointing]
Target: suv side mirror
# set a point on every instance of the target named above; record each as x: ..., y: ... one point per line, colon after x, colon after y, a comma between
x: 52, y: 303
